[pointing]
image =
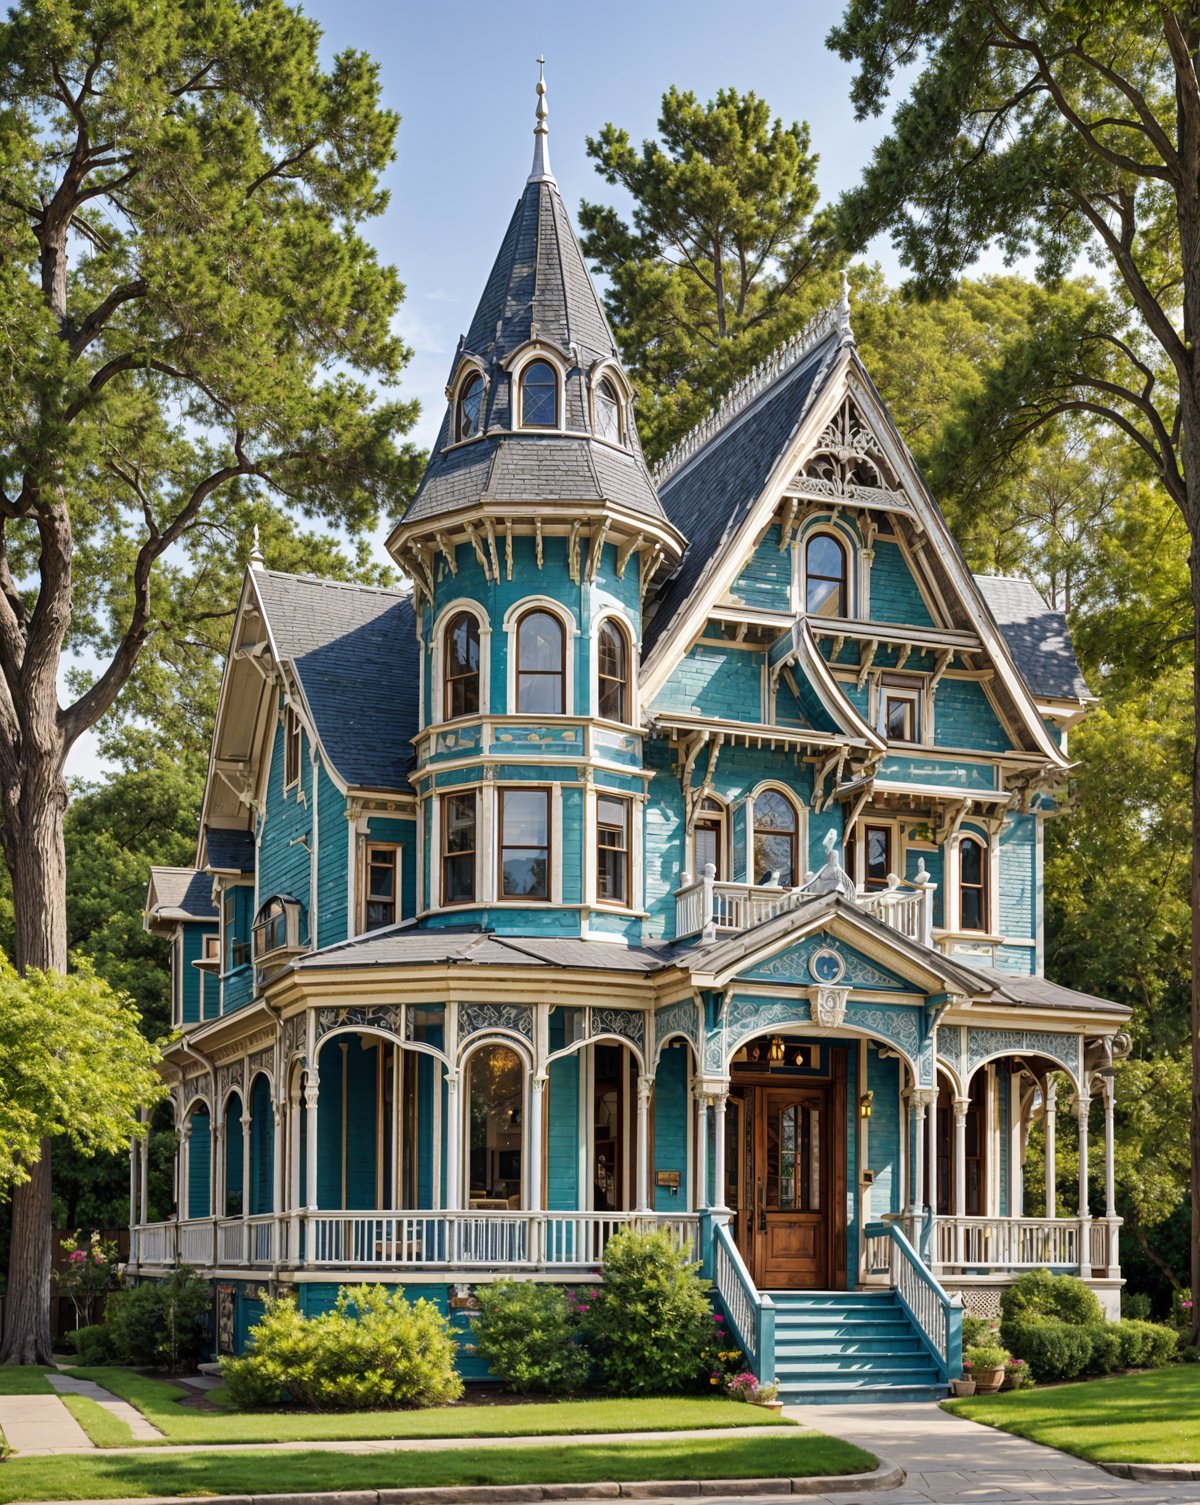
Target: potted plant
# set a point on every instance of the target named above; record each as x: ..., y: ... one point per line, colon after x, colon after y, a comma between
x: 747, y: 1387
x: 987, y: 1366
x: 966, y: 1385
x: 1016, y: 1375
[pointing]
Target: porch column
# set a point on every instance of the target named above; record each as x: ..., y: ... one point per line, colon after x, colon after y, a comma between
x: 1112, y: 1257
x: 1083, y: 1102
x: 1051, y: 1114
x: 917, y: 1140
x: 931, y: 1141
x: 642, y: 1141
x: 719, y: 1147
x: 312, y: 1093
x: 961, y: 1108
x: 217, y: 1168
x: 537, y: 1098
x: 277, y: 1150
x: 183, y: 1161
x: 144, y: 1177
x: 1016, y: 1170
x: 134, y: 1161
x: 294, y: 1168
x: 701, y: 1151
x: 451, y: 1196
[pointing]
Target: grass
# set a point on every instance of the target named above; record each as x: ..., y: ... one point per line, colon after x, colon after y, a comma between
x: 23, y: 1379
x: 104, y: 1429
x: 96, y: 1477
x: 1130, y: 1418
x: 159, y: 1401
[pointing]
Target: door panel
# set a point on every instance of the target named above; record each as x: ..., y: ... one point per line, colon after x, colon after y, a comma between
x: 793, y: 1170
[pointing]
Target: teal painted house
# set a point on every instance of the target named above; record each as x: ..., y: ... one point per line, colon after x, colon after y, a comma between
x: 669, y: 854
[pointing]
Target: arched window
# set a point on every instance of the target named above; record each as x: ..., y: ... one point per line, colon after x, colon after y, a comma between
x: 495, y: 1128
x: 709, y: 837
x: 541, y: 665
x: 460, y: 658
x: 825, y: 577
x: 606, y: 408
x: 972, y: 884
x: 539, y: 396
x: 612, y: 672
x: 469, y: 409
x: 775, y: 839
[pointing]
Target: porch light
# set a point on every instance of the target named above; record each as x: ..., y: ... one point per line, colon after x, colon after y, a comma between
x: 864, y: 1104
x: 776, y: 1054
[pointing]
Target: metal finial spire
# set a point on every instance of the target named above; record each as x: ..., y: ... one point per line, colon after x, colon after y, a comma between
x: 256, y: 556
x: 845, y: 333
x: 541, y: 144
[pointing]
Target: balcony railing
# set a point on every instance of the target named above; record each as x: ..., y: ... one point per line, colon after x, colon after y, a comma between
x: 398, y: 1239
x: 707, y: 908
x: 976, y: 1246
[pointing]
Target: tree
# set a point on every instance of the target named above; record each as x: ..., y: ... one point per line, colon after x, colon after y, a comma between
x: 1060, y: 129
x: 73, y: 1063
x: 726, y: 256
x: 190, y: 317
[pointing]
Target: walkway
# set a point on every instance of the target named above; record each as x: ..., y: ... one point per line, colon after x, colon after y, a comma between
x: 143, y: 1430
x: 951, y: 1461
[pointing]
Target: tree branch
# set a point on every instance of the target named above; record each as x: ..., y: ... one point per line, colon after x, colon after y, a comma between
x: 101, y: 314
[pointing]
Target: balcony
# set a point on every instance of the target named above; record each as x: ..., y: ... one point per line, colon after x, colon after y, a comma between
x: 707, y: 908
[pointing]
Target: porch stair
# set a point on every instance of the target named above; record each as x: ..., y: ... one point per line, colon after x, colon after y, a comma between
x: 850, y: 1346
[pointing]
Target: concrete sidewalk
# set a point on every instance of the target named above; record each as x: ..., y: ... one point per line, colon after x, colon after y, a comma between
x: 41, y: 1424
x: 143, y: 1430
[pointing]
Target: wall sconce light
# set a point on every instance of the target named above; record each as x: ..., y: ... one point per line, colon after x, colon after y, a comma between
x: 776, y: 1053
x: 864, y: 1104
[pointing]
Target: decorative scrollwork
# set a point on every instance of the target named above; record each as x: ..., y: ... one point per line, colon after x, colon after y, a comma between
x: 230, y: 1078
x: 477, y: 1018
x: 983, y: 1044
x: 294, y: 1038
x: 261, y: 1060
x: 360, y: 1016
x: 626, y: 1024
x: 896, y: 1026
x: 849, y: 459
x: 680, y: 1018
x: 792, y: 966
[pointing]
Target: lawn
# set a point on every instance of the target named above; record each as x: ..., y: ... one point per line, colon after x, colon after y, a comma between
x: 100, y: 1477
x: 104, y: 1429
x: 23, y: 1379
x: 159, y: 1401
x: 1130, y: 1418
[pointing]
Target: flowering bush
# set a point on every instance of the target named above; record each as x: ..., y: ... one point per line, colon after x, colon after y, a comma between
x: 1181, y: 1309
x: 1017, y: 1375
x: 528, y: 1335
x: 91, y: 1269
x: 745, y: 1386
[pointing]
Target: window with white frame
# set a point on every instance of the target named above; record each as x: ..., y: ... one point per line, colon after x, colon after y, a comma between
x: 612, y: 671
x: 539, y: 396
x: 460, y: 665
x: 606, y: 409
x: 381, y: 886
x: 973, y: 884
x: 524, y: 843
x: 293, y: 733
x: 612, y: 849
x: 469, y: 408
x: 776, y: 840
x: 826, y: 576
x: 459, y: 845
x: 541, y: 665
x: 899, y: 717
x: 708, y: 838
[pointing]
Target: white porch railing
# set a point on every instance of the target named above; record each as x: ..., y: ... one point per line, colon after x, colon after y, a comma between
x: 938, y: 1317
x: 969, y: 1245
x: 380, y: 1240
x: 750, y: 1312
x: 706, y: 907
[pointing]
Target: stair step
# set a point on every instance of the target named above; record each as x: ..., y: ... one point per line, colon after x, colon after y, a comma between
x: 861, y: 1347
x: 835, y: 1393
x: 896, y: 1374
x: 847, y: 1329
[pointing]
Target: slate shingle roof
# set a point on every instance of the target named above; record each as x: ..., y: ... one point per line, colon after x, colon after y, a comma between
x: 354, y: 651
x: 182, y: 893
x: 538, y: 287
x: 1040, y: 992
x: 401, y: 946
x: 228, y: 851
x: 708, y: 498
x: 1037, y: 636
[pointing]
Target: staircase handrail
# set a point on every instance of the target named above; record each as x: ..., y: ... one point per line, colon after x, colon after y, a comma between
x: 750, y: 1312
x: 936, y: 1315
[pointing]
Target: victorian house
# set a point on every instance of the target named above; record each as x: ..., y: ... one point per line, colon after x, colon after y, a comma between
x: 670, y: 855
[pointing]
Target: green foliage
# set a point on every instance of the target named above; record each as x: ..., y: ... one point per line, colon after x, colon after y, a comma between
x: 93, y: 1345
x: 1054, y: 1350
x: 1146, y: 1345
x: 528, y: 1336
x: 1038, y: 1293
x: 1135, y: 1306
x: 987, y: 1356
x: 374, y: 1348
x: 725, y: 255
x: 90, y: 1269
x: 72, y: 1062
x: 160, y: 1324
x: 977, y: 1330
x: 650, y: 1330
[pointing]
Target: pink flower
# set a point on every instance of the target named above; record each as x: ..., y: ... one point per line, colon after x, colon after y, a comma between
x: 583, y: 1306
x: 77, y: 1255
x: 717, y: 1317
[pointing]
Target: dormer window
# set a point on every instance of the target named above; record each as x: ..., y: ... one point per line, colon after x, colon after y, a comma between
x: 277, y: 928
x: 461, y: 650
x: 606, y: 411
x: 539, y: 396
x: 469, y: 409
x: 825, y: 592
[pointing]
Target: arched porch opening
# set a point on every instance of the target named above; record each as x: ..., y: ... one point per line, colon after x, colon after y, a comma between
x: 234, y: 1179
x: 260, y: 1193
x: 495, y: 1164
x: 197, y: 1168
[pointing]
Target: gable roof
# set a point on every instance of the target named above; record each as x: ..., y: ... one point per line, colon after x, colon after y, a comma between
x: 1037, y: 636
x: 403, y: 946
x: 710, y: 496
x: 226, y: 851
x: 353, y: 650
x: 178, y: 893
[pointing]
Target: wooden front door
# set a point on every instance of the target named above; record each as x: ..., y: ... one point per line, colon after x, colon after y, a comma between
x: 792, y: 1223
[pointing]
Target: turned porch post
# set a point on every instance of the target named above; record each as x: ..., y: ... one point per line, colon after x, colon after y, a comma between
x: 1051, y: 1114
x: 719, y: 1148
x: 961, y: 1108
x: 277, y: 1149
x: 537, y: 1098
x: 1110, y: 1177
x: 917, y: 1140
x: 642, y: 1144
x: 184, y: 1162
x: 1083, y: 1102
x: 701, y: 1151
x: 931, y: 1123
x: 312, y: 1094
x: 451, y: 1197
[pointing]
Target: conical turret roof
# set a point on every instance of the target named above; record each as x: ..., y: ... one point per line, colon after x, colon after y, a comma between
x: 539, y: 293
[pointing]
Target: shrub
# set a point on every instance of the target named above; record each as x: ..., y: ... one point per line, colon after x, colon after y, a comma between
x: 1105, y: 1339
x: 987, y: 1356
x: 1146, y: 1345
x: 1135, y: 1306
x: 977, y: 1330
x: 161, y: 1324
x: 93, y: 1344
x: 650, y: 1328
x: 1053, y: 1350
x: 1038, y: 1293
x: 1181, y: 1308
x: 527, y: 1335
x: 373, y: 1349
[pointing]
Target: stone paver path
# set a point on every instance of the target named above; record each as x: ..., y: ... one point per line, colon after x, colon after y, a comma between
x: 143, y: 1430
x: 951, y: 1461
x: 41, y: 1424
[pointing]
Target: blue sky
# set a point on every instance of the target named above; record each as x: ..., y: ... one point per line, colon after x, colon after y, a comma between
x: 462, y: 78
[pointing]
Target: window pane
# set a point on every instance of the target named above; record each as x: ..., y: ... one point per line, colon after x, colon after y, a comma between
x: 899, y: 720
x: 526, y: 817
x: 612, y: 651
x: 539, y: 395
x: 463, y: 639
x: 540, y: 643
x: 708, y: 849
x: 458, y: 879
x: 774, y: 812
x: 972, y: 909
x: 469, y: 406
x: 611, y: 812
x: 495, y: 1118
x: 825, y: 573
x: 524, y: 874
x: 383, y: 878
x: 608, y: 421
x: 524, y: 851
x: 773, y: 860
x: 879, y: 855
x: 460, y: 823
x: 971, y: 858
x: 825, y: 557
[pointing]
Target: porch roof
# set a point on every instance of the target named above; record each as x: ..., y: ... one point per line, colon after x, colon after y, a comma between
x: 403, y: 946
x: 179, y: 893
x: 1041, y: 993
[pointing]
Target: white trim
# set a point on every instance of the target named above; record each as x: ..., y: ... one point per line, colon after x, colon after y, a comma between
x: 620, y: 614
x: 768, y: 785
x: 437, y: 676
x: 852, y: 550
x: 566, y: 618
x: 468, y: 366
x: 516, y: 366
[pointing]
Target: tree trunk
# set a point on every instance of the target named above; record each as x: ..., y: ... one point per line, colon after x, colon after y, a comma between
x: 1194, y: 1263
x: 35, y: 852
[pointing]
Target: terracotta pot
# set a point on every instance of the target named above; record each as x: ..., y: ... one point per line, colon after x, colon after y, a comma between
x: 988, y: 1381
x: 963, y: 1388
